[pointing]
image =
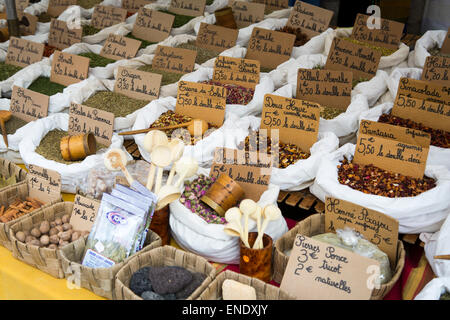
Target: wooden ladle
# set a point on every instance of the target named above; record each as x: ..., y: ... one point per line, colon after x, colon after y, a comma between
x: 191, y: 126
x: 161, y: 157
x: 4, y: 117
x: 271, y: 212
x: 115, y: 159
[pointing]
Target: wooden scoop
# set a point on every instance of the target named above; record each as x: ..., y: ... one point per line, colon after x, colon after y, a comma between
x: 4, y: 117
x: 191, y: 126
x: 115, y: 159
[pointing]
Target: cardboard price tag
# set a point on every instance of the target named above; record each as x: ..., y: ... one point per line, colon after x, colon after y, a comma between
x: 269, y: 47
x: 201, y: 101
x: 68, y: 68
x: 246, y: 13
x: 320, y: 271
x: 252, y: 176
x: 138, y: 84
x: 61, y: 37
x: 56, y: 7
x: 216, y: 38
x: 134, y: 5
x: 83, y: 119
x: 376, y: 227
x: 297, y: 120
x: 426, y: 90
x: 152, y: 25
x: 345, y: 55
x: 327, y: 87
x: 436, y: 69
x: 118, y: 47
x: 393, y: 148
x: 176, y: 60
x: 272, y: 5
x: 312, y: 20
x: 32, y: 23
x: 83, y: 213
x: 106, y: 16
x: 23, y: 52
x: 43, y: 184
x: 388, y: 36
x: 243, y: 72
x: 28, y: 105
x: 192, y: 8
x: 446, y: 44
x: 21, y: 5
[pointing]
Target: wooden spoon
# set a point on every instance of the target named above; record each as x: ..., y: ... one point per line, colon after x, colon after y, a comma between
x: 270, y: 213
x: 186, y: 167
x: 4, y: 117
x: 247, y: 207
x: 115, y: 159
x: 152, y: 140
x: 256, y: 215
x: 233, y: 216
x: 202, y: 124
x: 176, y: 148
x: 161, y: 157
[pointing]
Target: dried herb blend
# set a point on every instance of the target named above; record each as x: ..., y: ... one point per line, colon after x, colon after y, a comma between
x: 144, y: 43
x: 44, y: 17
x: 236, y: 94
x: 167, y: 77
x: 89, y: 30
x: 88, y: 4
x: 329, y: 113
x: 7, y: 181
x: 436, y: 51
x: 300, y: 37
x: 119, y: 104
x: 8, y: 70
x: 265, y: 69
x: 45, y: 86
x: 180, y: 20
x: 14, y: 124
x: 203, y: 54
x: 96, y: 60
x: 384, y: 51
x: 445, y: 296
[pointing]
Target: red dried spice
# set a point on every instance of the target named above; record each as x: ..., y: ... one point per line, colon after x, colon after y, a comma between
x: 235, y: 94
x: 48, y: 50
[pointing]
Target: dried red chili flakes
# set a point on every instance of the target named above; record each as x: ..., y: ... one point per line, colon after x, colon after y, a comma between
x: 235, y: 94
x: 373, y: 180
x: 48, y: 50
x: 300, y: 37
x: 439, y: 138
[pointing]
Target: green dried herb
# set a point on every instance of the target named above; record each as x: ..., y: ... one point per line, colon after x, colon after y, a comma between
x: 45, y: 86
x: 96, y: 60
x: 318, y: 66
x: 436, y: 51
x: 203, y: 54
x: 13, y: 124
x: 445, y: 296
x: 180, y: 20
x: 4, y: 182
x: 114, y: 102
x: 356, y: 81
x: 8, y: 70
x: 89, y: 30
x: 384, y: 51
x: 265, y: 69
x: 167, y: 77
x: 144, y: 43
x: 44, y: 17
x: 209, y: 2
x: 87, y: 4
x: 329, y: 113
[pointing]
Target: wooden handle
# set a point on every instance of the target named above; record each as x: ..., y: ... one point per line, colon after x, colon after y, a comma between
x: 151, y: 177
x: 171, y: 175
x: 443, y: 257
x: 175, y: 126
x: 158, y: 179
x: 126, y: 174
x: 5, y: 135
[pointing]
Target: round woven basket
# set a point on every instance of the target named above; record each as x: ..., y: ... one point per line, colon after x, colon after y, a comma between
x: 314, y: 225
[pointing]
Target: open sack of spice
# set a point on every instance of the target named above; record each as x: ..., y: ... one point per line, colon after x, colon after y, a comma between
x: 429, y: 44
x: 419, y: 205
x: 436, y: 289
x: 39, y: 38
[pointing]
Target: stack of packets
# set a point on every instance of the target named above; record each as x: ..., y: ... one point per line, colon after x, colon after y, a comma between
x: 121, y: 225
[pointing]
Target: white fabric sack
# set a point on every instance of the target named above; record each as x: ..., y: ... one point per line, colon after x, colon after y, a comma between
x: 398, y: 73
x: 434, y: 289
x: 70, y: 174
x: 423, y: 213
x: 39, y: 38
x: 194, y: 234
x: 170, y: 41
x: 428, y: 41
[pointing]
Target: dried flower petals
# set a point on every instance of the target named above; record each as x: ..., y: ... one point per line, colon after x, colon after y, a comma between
x: 236, y: 94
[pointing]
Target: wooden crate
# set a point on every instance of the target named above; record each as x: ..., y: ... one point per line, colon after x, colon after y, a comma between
x: 298, y: 205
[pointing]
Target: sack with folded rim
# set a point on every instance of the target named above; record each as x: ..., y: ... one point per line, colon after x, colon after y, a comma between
x: 429, y: 40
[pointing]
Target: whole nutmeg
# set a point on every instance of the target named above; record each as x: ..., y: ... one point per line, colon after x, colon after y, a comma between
x: 67, y: 226
x: 66, y: 235
x: 59, y: 228
x: 35, y: 232
x: 29, y: 239
x: 75, y: 236
x: 53, y: 246
x: 45, y: 240
x: 20, y: 236
x: 58, y: 221
x: 35, y: 243
x: 54, y: 239
x: 65, y: 218
x: 44, y: 227
x: 52, y: 224
x: 53, y: 231
x: 27, y: 232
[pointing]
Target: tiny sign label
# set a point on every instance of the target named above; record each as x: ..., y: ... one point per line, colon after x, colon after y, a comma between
x: 43, y: 184
x: 134, y: 5
x: 376, y: 227
x: 138, y: 84
x: 192, y: 8
x: 176, y: 60
x: 446, y: 44
x: 216, y: 38
x: 361, y: 60
x: 252, y: 176
x: 28, y: 105
x: 246, y: 13
x: 437, y: 69
x: 272, y: 5
x: 68, y: 68
x: 320, y: 271
x: 388, y: 36
x: 83, y: 213
x: 32, y: 23
x: 56, y: 7
x: 118, y: 47
x: 393, y: 148
x: 269, y: 47
x: 297, y: 120
x: 328, y: 87
x: 61, y: 37
x: 426, y: 90
x: 83, y: 119
x: 106, y: 16
x: 152, y: 25
x: 310, y: 19
x: 23, y: 52
x: 243, y: 72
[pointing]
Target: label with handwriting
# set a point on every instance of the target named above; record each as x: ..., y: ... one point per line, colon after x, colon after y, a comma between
x: 201, y: 101
x: 138, y: 84
x: 376, y: 227
x: 68, y: 68
x: 43, y: 184
x: 246, y: 13
x: 392, y: 148
x: 272, y: 5
x: 23, y: 52
x: 119, y: 47
x: 152, y: 25
x: 216, y: 38
x: 320, y: 271
x: 106, y: 16
x: 192, y: 8
x: 312, y: 20
x: 426, y: 90
x: 252, y: 176
x: 83, y: 213
x: 56, y: 7
x: 327, y: 87
x: 21, y: 5
x: 176, y: 60
x: 269, y: 47
x: 134, y: 5
x: 437, y: 69
x: 361, y: 60
x: 83, y: 119
x: 28, y: 105
x: 388, y: 36
x: 61, y: 37
x: 243, y: 72
x: 446, y: 44
x: 32, y: 23
x: 297, y: 120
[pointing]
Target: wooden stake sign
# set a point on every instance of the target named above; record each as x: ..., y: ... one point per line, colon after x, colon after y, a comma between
x: 32, y: 23
x: 446, y: 44
x: 272, y: 5
x: 106, y: 16
x: 388, y: 36
x: 43, y: 184
x: 175, y: 60
x: 61, y: 36
x: 320, y: 271
x: 246, y: 13
x: 311, y: 20
x: 327, y: 87
x: 152, y: 25
x: 376, y: 227
x: 348, y: 56
x: 243, y: 72
x: 138, y: 84
x: 118, y: 47
x: 83, y: 213
x: 68, y: 68
x: 56, y: 7
x: 216, y: 38
x: 192, y: 8
x: 134, y: 5
x: 437, y: 69
x: 23, y: 52
x: 426, y: 90
x: 28, y: 105
x: 269, y: 47
x: 83, y: 119
x: 392, y: 148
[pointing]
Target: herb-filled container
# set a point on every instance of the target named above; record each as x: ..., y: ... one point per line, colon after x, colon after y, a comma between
x: 430, y: 44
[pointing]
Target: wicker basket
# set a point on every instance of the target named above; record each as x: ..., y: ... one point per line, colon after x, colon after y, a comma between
x: 314, y: 225
x: 162, y: 256
x: 263, y: 290
x: 99, y: 280
x: 9, y: 169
